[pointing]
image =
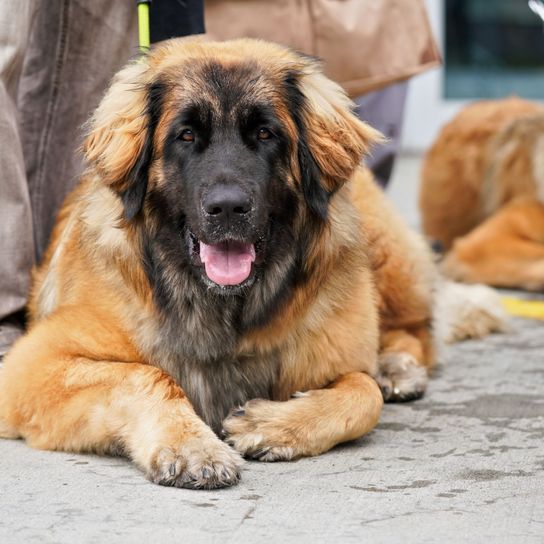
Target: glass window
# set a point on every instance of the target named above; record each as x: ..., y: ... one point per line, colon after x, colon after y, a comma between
x: 494, y: 48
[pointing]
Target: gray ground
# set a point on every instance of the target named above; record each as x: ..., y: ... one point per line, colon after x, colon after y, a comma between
x: 465, y: 464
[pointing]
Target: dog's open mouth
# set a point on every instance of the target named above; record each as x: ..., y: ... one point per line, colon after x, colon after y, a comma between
x: 228, y: 263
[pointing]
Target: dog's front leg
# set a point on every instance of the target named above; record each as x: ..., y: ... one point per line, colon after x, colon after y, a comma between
x: 60, y: 402
x: 310, y: 423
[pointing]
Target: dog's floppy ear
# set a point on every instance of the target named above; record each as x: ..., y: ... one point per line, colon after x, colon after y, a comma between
x: 119, y: 143
x: 332, y: 140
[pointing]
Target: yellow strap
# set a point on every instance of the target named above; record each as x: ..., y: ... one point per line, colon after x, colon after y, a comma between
x: 143, y: 26
x: 531, y: 309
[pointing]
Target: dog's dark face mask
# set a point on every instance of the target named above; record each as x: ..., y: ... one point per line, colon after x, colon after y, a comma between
x: 224, y: 193
x: 233, y: 164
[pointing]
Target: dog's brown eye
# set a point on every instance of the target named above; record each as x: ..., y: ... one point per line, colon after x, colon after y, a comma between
x: 264, y: 134
x: 188, y: 135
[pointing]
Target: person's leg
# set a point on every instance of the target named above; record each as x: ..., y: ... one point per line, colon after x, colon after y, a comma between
x: 384, y: 110
x: 16, y: 239
x: 76, y: 47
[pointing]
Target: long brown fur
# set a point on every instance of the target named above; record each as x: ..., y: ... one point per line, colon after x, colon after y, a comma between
x: 94, y: 372
x: 482, y: 194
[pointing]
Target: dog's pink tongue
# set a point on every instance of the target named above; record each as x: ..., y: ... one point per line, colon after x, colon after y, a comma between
x: 227, y: 263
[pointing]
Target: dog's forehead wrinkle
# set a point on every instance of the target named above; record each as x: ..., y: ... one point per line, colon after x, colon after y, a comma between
x: 233, y: 82
x: 202, y: 110
x: 229, y: 92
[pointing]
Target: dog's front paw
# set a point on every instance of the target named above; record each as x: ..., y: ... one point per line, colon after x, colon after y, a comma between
x: 259, y: 431
x: 401, y: 378
x: 198, y: 463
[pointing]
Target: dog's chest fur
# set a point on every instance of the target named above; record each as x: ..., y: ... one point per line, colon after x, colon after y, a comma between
x: 220, y: 386
x: 197, y: 347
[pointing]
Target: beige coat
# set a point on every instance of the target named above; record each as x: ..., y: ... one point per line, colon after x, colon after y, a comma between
x: 365, y: 44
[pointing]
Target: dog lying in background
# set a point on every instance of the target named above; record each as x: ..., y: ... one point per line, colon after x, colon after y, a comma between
x: 482, y: 194
x: 224, y: 268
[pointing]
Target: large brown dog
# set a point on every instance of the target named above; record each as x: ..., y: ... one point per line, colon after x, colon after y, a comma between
x: 482, y: 194
x: 224, y: 264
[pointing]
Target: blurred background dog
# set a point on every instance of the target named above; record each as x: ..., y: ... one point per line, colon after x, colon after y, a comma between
x: 482, y: 194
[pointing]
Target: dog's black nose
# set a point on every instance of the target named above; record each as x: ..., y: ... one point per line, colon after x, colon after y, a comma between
x: 226, y: 202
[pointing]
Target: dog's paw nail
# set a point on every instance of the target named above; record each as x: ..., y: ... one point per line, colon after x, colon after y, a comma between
x: 227, y: 475
x: 172, y: 469
x: 184, y: 483
x: 260, y: 453
x: 401, y: 377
